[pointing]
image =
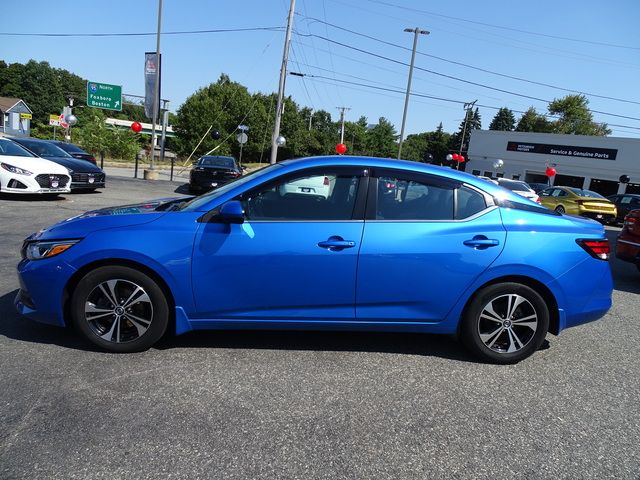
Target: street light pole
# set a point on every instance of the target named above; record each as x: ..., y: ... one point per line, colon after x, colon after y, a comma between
x: 156, y: 87
x: 416, y: 31
x: 283, y: 75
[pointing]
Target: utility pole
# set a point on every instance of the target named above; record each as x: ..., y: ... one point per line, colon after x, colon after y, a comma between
x: 416, y: 31
x: 310, y: 117
x: 151, y: 174
x: 283, y: 75
x: 467, y: 109
x: 342, y: 110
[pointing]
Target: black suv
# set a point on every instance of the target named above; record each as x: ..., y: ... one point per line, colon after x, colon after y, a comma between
x: 211, y: 172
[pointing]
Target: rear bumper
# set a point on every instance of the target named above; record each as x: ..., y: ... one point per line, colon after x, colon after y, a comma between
x: 628, y: 250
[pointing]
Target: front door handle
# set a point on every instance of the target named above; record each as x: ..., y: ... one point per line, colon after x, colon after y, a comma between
x: 480, y: 242
x: 336, y: 243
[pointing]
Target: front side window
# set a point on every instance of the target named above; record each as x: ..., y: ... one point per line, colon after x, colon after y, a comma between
x: 323, y: 195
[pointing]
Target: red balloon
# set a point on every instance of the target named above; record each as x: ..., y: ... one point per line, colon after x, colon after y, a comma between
x: 454, y: 157
x: 136, y: 127
x: 550, y: 171
x: 341, y: 148
x: 460, y: 158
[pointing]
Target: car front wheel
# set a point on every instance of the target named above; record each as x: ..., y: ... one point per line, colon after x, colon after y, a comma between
x: 119, y: 309
x: 505, y: 323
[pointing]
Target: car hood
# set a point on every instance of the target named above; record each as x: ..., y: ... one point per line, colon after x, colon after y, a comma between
x: 36, y: 165
x: 74, y: 164
x: 113, y: 217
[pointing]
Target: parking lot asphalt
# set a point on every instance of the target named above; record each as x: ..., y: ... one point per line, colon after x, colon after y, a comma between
x: 254, y: 405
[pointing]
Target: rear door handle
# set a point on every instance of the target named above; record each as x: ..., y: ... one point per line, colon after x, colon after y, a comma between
x: 480, y: 242
x: 336, y: 243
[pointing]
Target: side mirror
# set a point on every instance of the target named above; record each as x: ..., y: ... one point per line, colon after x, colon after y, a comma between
x: 231, y: 212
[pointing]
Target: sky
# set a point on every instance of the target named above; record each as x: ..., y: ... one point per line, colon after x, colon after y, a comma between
x: 355, y: 53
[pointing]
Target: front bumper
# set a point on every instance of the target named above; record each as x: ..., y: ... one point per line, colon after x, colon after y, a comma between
x: 42, y: 289
x: 83, y: 181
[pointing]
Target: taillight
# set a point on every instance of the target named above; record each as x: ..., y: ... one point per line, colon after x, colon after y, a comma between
x: 630, y: 220
x: 598, y: 248
x: 326, y: 181
x: 92, y: 159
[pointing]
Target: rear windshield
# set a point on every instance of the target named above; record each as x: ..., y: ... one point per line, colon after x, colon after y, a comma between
x: 585, y: 193
x: 7, y: 147
x: 514, y: 185
x: 44, y: 149
x: 70, y: 147
x: 228, y: 162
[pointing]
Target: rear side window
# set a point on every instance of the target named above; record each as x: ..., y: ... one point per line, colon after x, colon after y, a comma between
x: 400, y: 199
x: 469, y: 202
x: 422, y: 200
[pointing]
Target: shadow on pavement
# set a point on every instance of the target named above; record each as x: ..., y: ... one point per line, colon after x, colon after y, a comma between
x: 30, y: 197
x: 183, y: 189
x: 16, y: 327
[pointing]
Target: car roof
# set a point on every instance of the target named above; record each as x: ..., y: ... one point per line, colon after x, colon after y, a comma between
x: 377, y: 162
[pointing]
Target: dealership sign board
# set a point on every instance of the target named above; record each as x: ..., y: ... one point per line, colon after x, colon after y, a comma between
x: 563, y: 150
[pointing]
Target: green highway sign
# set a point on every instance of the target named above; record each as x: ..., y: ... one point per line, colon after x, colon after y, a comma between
x: 103, y: 95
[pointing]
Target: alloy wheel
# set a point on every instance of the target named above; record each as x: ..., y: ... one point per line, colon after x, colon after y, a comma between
x: 118, y: 311
x: 507, y: 323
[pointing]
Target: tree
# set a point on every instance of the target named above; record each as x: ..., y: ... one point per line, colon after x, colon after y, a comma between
x: 575, y: 117
x: 504, y: 120
x: 380, y: 140
x: 532, y: 121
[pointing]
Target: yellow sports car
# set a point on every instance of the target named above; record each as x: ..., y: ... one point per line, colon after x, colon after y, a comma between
x: 577, y: 201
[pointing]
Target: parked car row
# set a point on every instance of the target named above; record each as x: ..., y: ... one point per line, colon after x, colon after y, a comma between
x: 32, y: 165
x: 615, y: 209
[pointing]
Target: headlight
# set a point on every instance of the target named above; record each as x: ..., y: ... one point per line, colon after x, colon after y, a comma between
x: 12, y: 169
x: 39, y: 250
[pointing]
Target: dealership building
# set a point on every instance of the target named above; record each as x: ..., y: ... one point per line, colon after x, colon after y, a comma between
x: 607, y: 165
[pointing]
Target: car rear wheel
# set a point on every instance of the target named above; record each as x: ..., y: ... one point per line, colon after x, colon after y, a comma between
x: 505, y: 323
x: 560, y: 209
x: 119, y: 309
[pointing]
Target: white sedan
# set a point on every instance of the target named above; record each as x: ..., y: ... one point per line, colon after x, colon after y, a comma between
x: 23, y: 172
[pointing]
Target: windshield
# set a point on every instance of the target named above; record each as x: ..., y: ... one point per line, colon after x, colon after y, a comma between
x: 7, y: 147
x: 585, y: 193
x: 213, y: 194
x: 44, y: 149
x: 227, y: 162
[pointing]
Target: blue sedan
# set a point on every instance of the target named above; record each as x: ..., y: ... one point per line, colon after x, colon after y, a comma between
x: 326, y: 243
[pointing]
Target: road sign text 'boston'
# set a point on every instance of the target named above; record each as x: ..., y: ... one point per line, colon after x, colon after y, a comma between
x: 104, y: 95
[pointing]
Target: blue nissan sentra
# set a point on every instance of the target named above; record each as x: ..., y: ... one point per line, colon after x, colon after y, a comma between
x: 324, y: 243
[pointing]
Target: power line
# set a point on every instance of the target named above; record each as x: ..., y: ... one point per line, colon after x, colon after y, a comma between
x: 528, y: 32
x: 143, y: 34
x: 451, y: 77
x: 480, y: 69
x: 422, y: 95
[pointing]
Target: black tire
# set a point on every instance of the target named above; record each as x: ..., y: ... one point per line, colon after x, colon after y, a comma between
x: 502, y: 340
x: 560, y: 209
x: 133, y: 322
